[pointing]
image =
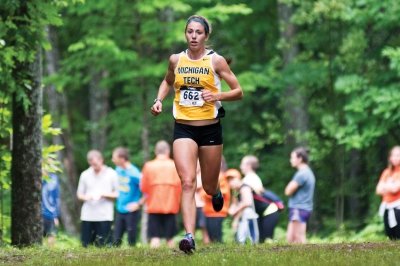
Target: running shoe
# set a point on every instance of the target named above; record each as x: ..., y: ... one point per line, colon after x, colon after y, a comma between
x: 217, y: 201
x: 187, y: 244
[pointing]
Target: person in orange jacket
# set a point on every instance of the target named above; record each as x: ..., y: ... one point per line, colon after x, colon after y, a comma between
x: 161, y: 187
x: 214, y: 220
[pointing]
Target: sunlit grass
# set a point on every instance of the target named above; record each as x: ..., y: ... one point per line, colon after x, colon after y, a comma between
x: 370, y: 253
x: 342, y: 247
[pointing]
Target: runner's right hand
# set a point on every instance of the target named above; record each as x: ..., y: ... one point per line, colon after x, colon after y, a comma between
x: 156, y: 109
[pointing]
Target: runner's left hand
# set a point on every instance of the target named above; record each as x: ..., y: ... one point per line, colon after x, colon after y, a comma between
x: 208, y: 96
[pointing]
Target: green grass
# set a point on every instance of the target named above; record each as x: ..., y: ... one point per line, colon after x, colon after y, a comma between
x: 342, y: 247
x: 369, y: 253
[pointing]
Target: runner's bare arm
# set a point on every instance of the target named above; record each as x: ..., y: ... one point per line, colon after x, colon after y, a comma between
x: 222, y: 68
x: 165, y: 85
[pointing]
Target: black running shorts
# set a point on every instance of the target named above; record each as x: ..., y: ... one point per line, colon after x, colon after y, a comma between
x: 203, y: 135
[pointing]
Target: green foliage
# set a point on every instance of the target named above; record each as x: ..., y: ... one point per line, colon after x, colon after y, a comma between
x: 5, y: 141
x: 5, y: 165
x: 135, y: 58
x: 223, y: 12
x: 50, y: 163
x: 347, y: 69
x: 373, y: 231
x: 153, y: 6
x: 18, y: 46
x: 394, y: 55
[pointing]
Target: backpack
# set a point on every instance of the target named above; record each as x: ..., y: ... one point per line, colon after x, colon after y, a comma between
x: 261, y: 202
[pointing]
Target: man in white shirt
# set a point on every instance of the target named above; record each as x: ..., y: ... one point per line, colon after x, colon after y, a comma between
x: 97, y: 188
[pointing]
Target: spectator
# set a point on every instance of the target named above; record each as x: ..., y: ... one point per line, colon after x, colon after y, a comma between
x: 267, y: 219
x: 214, y: 220
x: 301, y: 192
x: 389, y: 188
x: 249, y: 166
x: 50, y: 206
x: 243, y: 212
x: 268, y: 207
x: 161, y: 187
x: 128, y: 201
x: 97, y: 189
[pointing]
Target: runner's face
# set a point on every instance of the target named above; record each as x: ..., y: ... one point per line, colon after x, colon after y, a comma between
x: 395, y: 157
x: 195, y: 35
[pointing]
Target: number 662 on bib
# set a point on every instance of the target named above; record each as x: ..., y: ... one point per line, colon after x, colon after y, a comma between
x: 190, y: 96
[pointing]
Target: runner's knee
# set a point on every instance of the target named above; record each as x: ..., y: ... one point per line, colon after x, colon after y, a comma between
x: 188, y: 184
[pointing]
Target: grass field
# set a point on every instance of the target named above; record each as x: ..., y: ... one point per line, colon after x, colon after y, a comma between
x: 370, y: 253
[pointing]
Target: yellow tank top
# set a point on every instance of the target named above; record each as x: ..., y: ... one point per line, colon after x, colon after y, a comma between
x: 191, y: 77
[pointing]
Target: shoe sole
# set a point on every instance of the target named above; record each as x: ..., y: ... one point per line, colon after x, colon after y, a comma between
x: 186, y: 246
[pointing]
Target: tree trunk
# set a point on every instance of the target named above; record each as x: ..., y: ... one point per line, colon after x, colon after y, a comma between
x: 339, y: 184
x: 98, y: 103
x: 26, y: 173
x: 57, y: 104
x: 354, y: 205
x: 145, y: 126
x: 296, y: 117
x: 146, y: 157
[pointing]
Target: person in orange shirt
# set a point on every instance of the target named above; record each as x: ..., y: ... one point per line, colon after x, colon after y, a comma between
x: 161, y: 187
x: 389, y: 188
x: 200, y: 217
x: 215, y: 219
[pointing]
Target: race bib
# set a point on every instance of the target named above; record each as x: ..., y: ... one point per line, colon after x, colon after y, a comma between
x: 190, y: 97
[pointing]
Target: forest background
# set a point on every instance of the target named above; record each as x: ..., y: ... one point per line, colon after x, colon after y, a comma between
x: 319, y: 73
